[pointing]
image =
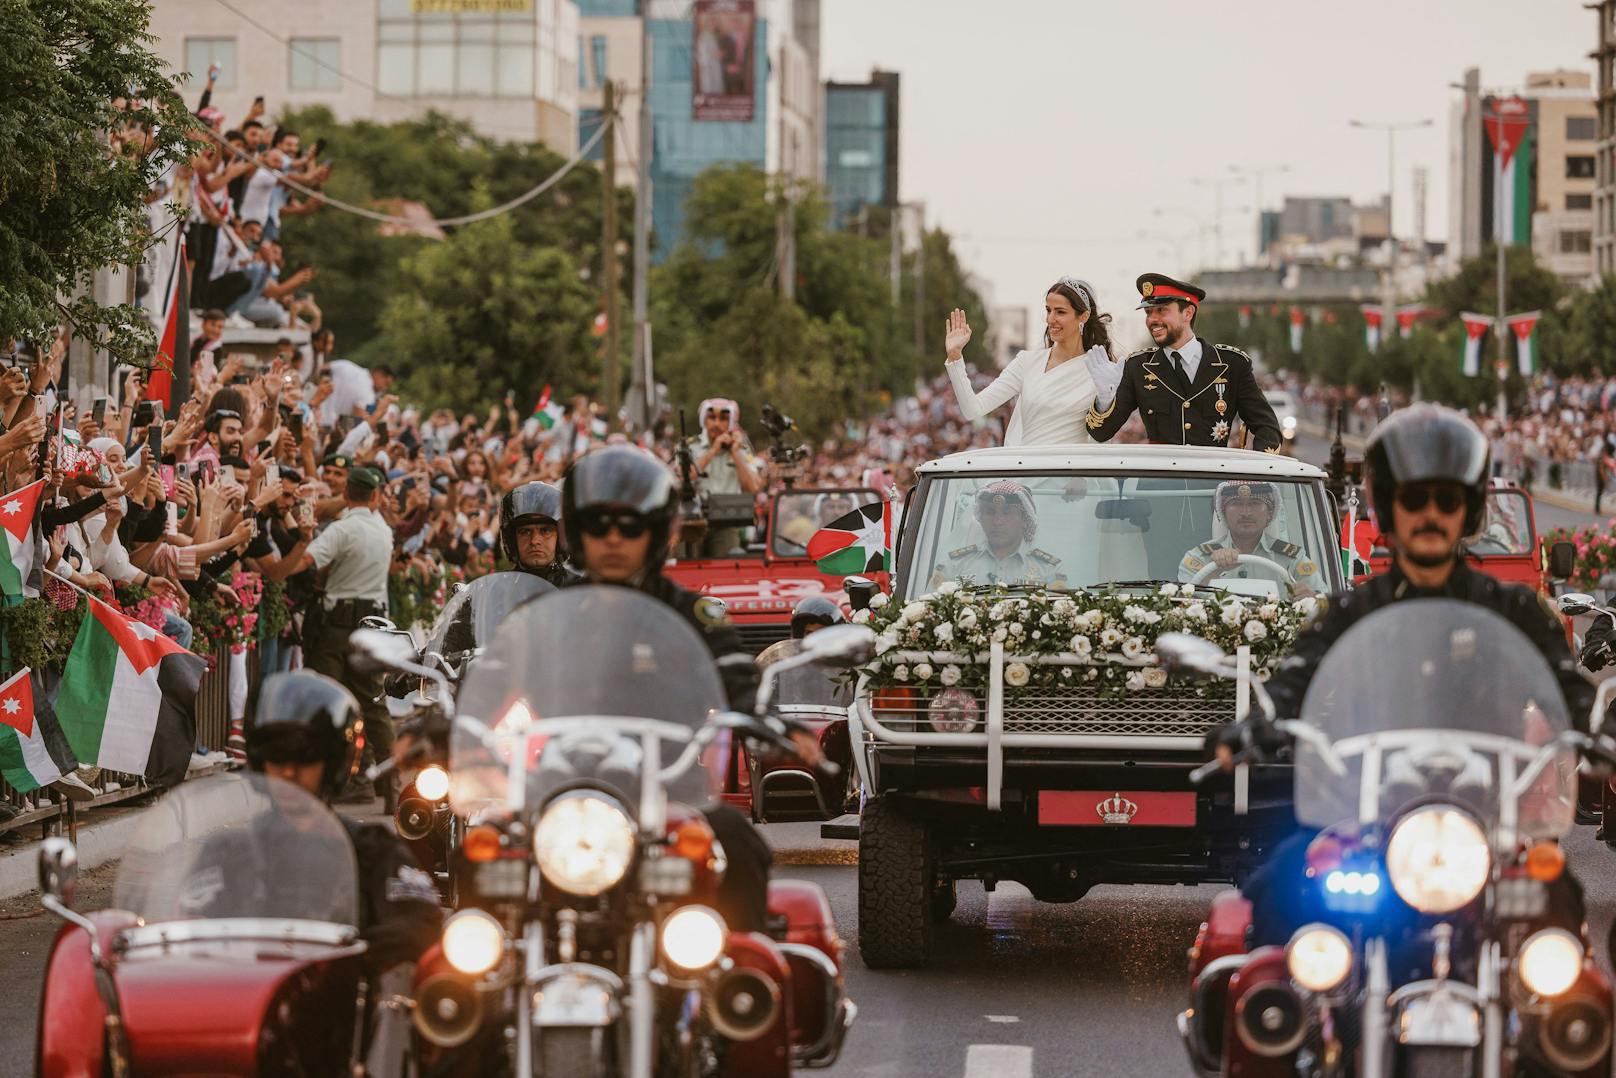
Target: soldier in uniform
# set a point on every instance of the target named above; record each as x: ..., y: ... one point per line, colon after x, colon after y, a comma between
x: 1248, y: 509
x: 1009, y: 522
x: 1186, y: 390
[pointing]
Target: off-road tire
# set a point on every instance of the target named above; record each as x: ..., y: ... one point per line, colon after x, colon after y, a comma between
x: 894, y: 888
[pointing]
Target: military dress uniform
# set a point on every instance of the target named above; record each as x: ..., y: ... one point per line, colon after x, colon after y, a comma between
x: 1287, y: 556
x: 1179, y: 410
x: 977, y: 562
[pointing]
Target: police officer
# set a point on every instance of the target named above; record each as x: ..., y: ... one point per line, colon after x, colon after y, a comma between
x: 618, y: 510
x: 306, y: 731
x: 530, y: 533
x: 1009, y: 523
x: 354, y: 554
x: 1427, y: 476
x: 814, y: 613
x: 1186, y: 390
x: 1248, y: 510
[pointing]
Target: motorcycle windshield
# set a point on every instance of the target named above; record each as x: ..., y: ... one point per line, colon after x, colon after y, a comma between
x: 561, y: 697
x: 481, y: 607
x: 1457, y: 701
x: 240, y: 845
x: 815, y: 685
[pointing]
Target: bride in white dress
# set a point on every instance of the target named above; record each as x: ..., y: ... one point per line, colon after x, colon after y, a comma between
x: 1052, y: 386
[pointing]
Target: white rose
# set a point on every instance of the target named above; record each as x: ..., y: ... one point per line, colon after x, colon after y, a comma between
x: 879, y: 599
x: 923, y: 671
x: 997, y: 612
x: 1017, y: 629
x: 1046, y: 620
x: 914, y: 611
x: 1000, y: 633
x: 1268, y: 611
x: 860, y: 617
x: 1082, y: 647
x: 1186, y: 589
x: 1066, y: 672
x: 1133, y: 647
x: 1155, y: 677
x: 949, y: 675
x: 1169, y: 589
x: 1136, y: 680
x: 943, y: 633
x: 1305, y: 608
x: 885, y: 643
x: 1110, y: 638
x: 947, y: 587
x: 1195, y: 612
x: 1255, y: 630
x: 1017, y: 674
x: 1094, y: 619
x: 966, y: 621
x: 1037, y: 634
x: 1263, y: 673
x: 1093, y: 674
x: 900, y: 672
x: 1063, y: 607
x: 1234, y: 614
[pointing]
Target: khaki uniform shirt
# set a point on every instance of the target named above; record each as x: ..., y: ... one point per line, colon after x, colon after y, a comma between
x: 1019, y: 567
x: 1287, y: 556
x: 358, y: 549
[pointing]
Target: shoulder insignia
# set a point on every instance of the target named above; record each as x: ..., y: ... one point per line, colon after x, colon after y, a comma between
x: 710, y: 610
x: 1142, y: 352
x: 1290, y: 550
x: 1193, y: 564
x: 1306, y: 568
x: 1208, y: 548
x: 1232, y: 348
x: 1044, y: 556
x: 962, y: 551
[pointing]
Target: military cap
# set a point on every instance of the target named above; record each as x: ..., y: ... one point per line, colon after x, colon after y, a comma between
x: 1158, y: 288
x: 337, y: 460
x: 369, y: 478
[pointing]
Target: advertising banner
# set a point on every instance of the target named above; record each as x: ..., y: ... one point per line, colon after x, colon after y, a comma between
x: 724, y: 69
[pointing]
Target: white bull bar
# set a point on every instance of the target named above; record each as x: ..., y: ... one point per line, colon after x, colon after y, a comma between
x: 992, y: 735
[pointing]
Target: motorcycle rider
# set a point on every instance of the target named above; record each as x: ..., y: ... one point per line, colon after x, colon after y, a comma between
x: 814, y: 613
x: 530, y: 533
x: 307, y: 731
x: 1427, y: 476
x: 619, y: 509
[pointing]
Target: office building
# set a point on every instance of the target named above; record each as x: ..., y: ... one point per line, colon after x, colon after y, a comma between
x: 861, y: 146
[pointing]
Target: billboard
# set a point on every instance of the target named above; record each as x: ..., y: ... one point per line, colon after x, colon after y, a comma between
x: 723, y: 68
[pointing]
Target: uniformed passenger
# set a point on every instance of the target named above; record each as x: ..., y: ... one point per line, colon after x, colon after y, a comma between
x: 1248, y: 510
x: 1009, y: 523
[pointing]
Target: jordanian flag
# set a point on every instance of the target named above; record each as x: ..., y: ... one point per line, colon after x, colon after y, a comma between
x: 855, y: 543
x: 128, y: 697
x: 25, y: 761
x: 19, y: 569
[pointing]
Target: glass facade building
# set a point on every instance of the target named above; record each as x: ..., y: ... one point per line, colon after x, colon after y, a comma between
x: 861, y: 145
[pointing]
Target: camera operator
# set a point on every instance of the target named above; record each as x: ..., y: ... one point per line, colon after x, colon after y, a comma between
x: 723, y: 465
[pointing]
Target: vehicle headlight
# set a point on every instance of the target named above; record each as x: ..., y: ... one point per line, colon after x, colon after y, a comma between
x: 583, y: 844
x: 953, y: 711
x: 473, y: 942
x: 1289, y: 422
x: 693, y: 937
x: 432, y: 783
x: 1550, y: 961
x: 1438, y: 859
x: 1319, y: 958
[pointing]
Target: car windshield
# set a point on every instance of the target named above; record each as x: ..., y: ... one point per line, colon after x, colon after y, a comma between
x: 241, y: 845
x: 1506, y: 525
x: 607, y: 655
x: 1268, y: 537
x: 1439, y: 685
x: 800, y: 513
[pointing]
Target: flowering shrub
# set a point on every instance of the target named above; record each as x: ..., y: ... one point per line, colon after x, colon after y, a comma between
x: 241, y: 622
x: 1110, y: 634
x: 1596, y: 553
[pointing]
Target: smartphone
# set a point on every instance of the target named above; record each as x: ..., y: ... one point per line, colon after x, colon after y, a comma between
x: 154, y: 440
x: 294, y: 423
x: 99, y: 412
x: 173, y: 514
x: 305, y: 514
x: 205, y: 469
x: 272, y: 474
x: 167, y: 472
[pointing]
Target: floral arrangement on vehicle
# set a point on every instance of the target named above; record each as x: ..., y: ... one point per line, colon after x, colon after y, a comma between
x: 1107, y: 638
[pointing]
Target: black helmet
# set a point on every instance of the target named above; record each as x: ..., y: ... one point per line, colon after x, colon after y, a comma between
x: 621, y: 477
x: 1426, y: 443
x: 814, y: 610
x: 306, y: 718
x: 530, y: 503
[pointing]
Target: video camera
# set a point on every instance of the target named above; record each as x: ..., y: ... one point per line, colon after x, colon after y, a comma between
x: 789, y: 459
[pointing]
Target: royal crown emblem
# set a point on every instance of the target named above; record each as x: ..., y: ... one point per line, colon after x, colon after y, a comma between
x: 1117, y: 809
x: 1147, y: 288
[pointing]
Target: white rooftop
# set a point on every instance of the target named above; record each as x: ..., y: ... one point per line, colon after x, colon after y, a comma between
x: 1105, y: 458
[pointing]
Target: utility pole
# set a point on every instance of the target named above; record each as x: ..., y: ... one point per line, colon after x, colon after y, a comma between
x: 1256, y: 176
x: 644, y: 380
x: 920, y: 275
x: 785, y: 219
x: 1389, y: 295
x: 608, y: 249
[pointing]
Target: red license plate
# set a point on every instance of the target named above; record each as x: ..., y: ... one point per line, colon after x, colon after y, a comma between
x: 1116, y: 808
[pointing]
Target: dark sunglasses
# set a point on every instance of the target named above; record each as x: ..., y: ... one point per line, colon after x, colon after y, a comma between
x: 600, y: 522
x: 1417, y: 496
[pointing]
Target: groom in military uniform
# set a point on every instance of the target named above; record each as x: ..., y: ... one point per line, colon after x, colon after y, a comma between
x: 1187, y: 391
x: 1009, y: 522
x: 1248, y: 509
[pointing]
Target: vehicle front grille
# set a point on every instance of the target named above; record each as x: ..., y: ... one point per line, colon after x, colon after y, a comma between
x: 1165, y: 712
x: 756, y: 636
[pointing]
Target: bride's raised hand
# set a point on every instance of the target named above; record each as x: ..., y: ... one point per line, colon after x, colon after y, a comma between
x: 956, y: 334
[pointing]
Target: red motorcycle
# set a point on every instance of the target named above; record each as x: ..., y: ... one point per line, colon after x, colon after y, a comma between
x: 230, y: 948
x: 816, y: 696
x: 587, y: 746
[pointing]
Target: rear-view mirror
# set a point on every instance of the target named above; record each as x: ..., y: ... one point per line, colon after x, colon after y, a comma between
x: 1562, y: 560
x: 1135, y: 511
x: 860, y: 590
x: 1573, y: 603
x: 376, y: 649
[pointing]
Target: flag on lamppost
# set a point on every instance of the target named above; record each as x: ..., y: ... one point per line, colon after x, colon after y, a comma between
x: 1476, y: 327
x: 1406, y: 317
x: 1245, y: 316
x: 1524, y: 326
x: 1371, y: 324
x: 1298, y: 317
x: 1508, y: 123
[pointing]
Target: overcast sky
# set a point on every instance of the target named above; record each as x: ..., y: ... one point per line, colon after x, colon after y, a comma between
x: 1044, y: 134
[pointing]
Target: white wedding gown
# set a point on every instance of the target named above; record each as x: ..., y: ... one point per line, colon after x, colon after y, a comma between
x: 1051, y: 406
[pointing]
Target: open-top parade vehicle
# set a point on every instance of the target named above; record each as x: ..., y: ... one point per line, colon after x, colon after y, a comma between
x: 1014, y: 724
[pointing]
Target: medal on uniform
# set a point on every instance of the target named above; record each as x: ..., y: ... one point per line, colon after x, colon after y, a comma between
x: 1220, y: 430
x: 1222, y: 405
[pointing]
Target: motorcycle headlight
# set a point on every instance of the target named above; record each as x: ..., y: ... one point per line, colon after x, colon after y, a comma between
x: 473, y: 942
x: 953, y: 711
x: 693, y: 937
x: 1550, y: 961
x: 1319, y: 958
x: 432, y: 783
x: 1438, y: 859
x: 583, y: 844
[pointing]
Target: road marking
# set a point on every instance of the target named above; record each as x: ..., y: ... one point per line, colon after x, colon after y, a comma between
x: 998, y: 1061
x: 1006, y: 1019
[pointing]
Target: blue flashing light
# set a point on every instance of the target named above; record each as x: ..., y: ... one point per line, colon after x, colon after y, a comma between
x: 1352, y: 883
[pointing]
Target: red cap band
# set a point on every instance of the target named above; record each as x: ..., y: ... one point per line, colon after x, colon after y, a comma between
x: 1170, y: 292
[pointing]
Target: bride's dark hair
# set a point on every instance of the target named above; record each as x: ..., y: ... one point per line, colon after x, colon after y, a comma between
x: 1097, y: 330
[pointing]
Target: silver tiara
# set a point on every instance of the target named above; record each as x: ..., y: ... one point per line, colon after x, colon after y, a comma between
x: 1083, y: 289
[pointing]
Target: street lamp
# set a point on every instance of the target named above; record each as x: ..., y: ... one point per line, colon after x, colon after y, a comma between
x: 1389, y: 315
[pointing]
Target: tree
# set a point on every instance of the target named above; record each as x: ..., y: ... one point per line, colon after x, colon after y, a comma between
x: 77, y: 161
x: 481, y: 313
x: 1591, y: 335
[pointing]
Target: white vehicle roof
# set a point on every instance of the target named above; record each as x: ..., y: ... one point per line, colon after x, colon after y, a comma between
x: 1130, y: 459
